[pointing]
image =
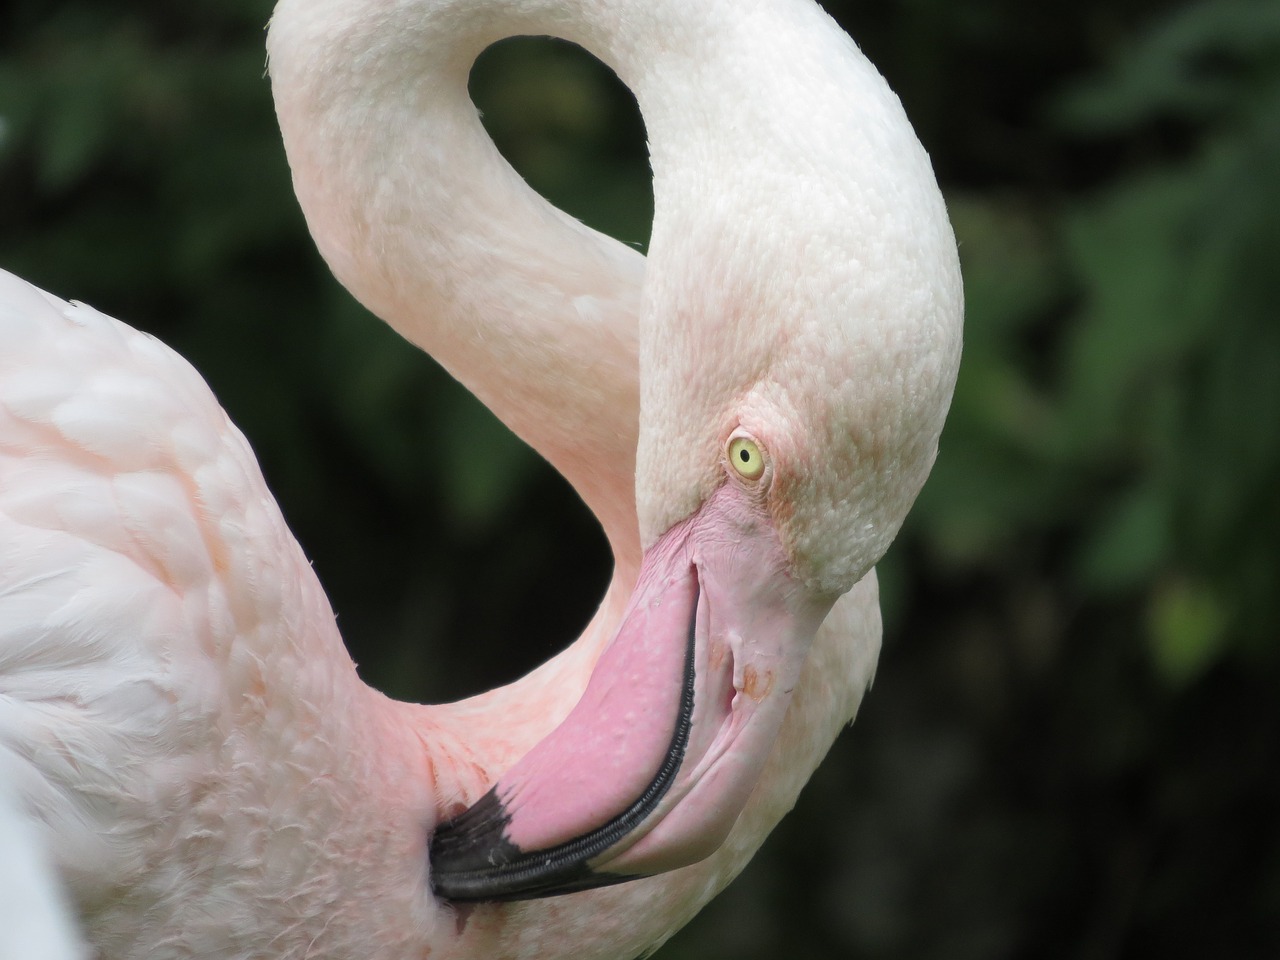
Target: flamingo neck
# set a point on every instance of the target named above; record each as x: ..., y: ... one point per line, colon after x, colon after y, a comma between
x: 428, y: 226
x: 556, y: 328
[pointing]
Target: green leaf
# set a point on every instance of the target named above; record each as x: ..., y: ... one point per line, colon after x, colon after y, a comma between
x: 1186, y: 630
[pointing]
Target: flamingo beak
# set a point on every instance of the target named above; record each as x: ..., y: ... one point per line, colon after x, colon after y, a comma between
x: 651, y: 769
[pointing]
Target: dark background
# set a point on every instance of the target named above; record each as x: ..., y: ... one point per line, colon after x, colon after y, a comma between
x: 1071, y: 749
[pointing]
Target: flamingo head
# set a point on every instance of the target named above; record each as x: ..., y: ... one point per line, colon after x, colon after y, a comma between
x: 800, y: 333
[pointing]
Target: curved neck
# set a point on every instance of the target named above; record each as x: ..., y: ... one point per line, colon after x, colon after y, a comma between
x: 429, y: 227
x: 421, y: 218
x: 785, y: 174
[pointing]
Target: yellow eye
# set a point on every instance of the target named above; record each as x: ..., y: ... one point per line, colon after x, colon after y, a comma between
x: 746, y: 458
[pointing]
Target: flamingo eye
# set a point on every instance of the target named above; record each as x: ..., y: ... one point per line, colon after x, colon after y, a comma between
x: 746, y: 458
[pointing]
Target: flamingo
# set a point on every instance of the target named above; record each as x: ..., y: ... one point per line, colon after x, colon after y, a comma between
x: 188, y: 757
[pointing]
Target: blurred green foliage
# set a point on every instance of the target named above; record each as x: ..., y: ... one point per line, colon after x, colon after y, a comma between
x: 1071, y: 750
x: 1124, y: 353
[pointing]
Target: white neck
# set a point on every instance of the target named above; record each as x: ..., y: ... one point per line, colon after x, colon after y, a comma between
x: 422, y: 219
x: 540, y: 316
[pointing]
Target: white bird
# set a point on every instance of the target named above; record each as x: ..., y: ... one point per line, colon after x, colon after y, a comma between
x: 749, y: 411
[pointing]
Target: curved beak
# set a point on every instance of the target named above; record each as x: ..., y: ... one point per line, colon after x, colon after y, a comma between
x: 651, y: 769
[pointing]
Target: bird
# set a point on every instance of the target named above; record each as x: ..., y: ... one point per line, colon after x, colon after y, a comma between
x: 191, y: 765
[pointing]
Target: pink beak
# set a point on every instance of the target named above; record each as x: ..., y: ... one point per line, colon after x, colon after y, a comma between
x: 651, y: 769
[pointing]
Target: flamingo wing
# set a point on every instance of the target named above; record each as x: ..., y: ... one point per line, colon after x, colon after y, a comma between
x: 146, y: 579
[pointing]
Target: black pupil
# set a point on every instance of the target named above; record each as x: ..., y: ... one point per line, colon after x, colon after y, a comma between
x: 744, y: 455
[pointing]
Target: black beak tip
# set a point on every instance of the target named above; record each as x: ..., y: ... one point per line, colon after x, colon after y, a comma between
x: 470, y: 850
x: 472, y: 861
